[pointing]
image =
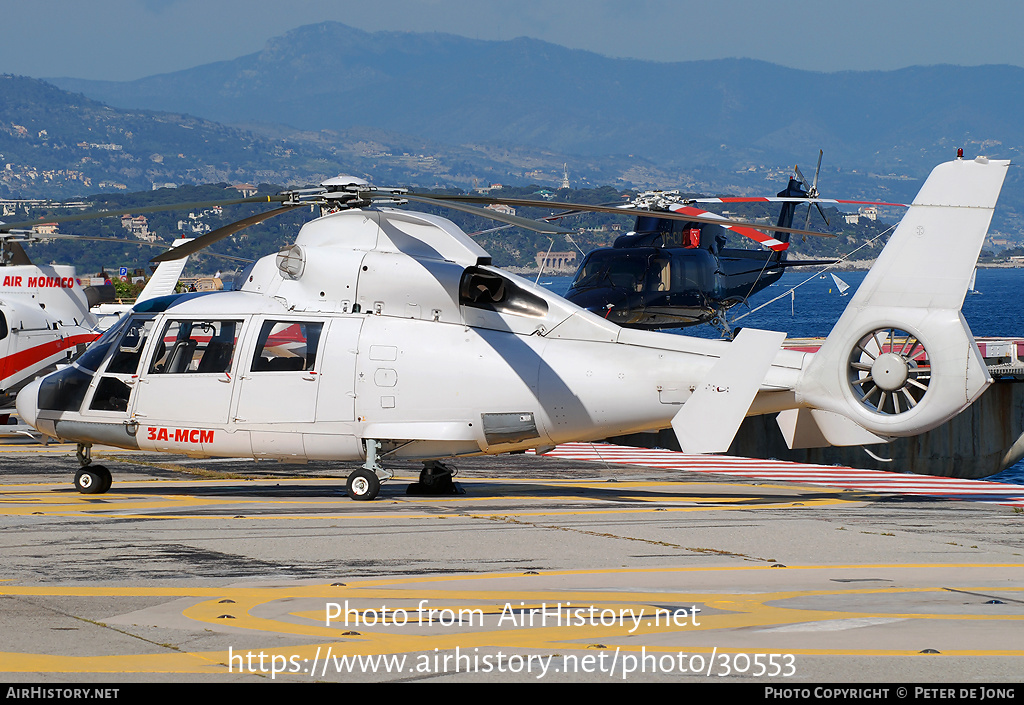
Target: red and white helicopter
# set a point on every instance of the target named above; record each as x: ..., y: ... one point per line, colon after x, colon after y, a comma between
x: 383, y: 333
x: 47, y: 315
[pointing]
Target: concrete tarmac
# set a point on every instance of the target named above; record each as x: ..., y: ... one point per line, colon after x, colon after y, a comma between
x: 544, y: 570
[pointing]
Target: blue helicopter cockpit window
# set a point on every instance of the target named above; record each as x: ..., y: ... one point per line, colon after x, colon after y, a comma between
x: 646, y: 271
x: 623, y: 270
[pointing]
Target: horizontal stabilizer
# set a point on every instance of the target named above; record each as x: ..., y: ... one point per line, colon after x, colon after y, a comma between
x: 711, y: 416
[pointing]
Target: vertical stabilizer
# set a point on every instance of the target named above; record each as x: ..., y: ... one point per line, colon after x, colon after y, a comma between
x: 901, y: 359
x: 165, y: 278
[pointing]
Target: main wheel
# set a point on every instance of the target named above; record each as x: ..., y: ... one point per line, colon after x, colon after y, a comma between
x: 89, y: 481
x: 363, y: 485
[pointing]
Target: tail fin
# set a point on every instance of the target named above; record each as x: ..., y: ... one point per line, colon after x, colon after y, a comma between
x: 901, y: 360
x: 793, y: 189
x: 165, y: 278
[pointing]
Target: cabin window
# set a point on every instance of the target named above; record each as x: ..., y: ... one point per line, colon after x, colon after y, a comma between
x: 195, y: 347
x: 484, y: 289
x: 4, y: 330
x: 287, y: 346
x: 111, y: 395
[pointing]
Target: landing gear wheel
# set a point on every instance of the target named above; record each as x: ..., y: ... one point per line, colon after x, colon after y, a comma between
x: 108, y: 480
x: 93, y: 479
x: 363, y: 485
x: 436, y: 478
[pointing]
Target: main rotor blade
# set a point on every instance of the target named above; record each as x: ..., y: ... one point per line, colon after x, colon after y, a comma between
x: 792, y: 199
x: 534, y: 225
x: 4, y: 227
x: 668, y: 215
x: 546, y: 219
x: 757, y: 236
x: 30, y: 239
x: 219, y: 234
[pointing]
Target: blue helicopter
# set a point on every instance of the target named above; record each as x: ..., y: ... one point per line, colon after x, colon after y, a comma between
x: 671, y: 273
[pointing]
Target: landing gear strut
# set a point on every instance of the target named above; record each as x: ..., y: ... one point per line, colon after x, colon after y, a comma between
x: 91, y: 479
x: 364, y: 484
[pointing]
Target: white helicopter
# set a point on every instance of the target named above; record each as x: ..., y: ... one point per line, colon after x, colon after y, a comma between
x: 383, y: 333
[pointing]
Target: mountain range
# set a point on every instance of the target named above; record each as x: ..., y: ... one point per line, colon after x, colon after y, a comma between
x: 436, y: 109
x: 529, y: 93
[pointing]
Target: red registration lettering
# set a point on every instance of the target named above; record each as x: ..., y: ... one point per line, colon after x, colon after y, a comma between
x: 179, y: 435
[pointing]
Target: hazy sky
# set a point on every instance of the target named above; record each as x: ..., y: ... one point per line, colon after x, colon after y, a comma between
x: 126, y: 39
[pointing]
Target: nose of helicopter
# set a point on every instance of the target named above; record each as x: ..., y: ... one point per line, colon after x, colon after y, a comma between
x: 28, y: 403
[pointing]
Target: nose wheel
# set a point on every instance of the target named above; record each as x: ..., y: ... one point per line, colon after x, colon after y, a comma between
x: 91, y: 479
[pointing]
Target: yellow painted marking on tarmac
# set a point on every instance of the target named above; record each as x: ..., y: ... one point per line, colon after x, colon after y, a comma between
x: 52, y: 499
x: 736, y: 612
x: 106, y: 511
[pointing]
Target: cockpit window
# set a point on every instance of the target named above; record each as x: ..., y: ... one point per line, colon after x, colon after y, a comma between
x: 93, y: 356
x: 195, y: 347
x: 129, y: 349
x: 480, y: 288
x: 614, y: 269
x: 112, y: 392
x: 65, y: 389
x: 648, y: 271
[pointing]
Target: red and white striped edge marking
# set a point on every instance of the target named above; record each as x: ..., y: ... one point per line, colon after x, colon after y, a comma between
x: 756, y: 235
x: 831, y: 476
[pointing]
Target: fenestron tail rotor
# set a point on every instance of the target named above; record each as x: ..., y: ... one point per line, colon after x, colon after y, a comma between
x: 889, y: 372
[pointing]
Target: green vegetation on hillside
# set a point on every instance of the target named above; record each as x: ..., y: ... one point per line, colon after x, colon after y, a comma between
x: 509, y: 246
